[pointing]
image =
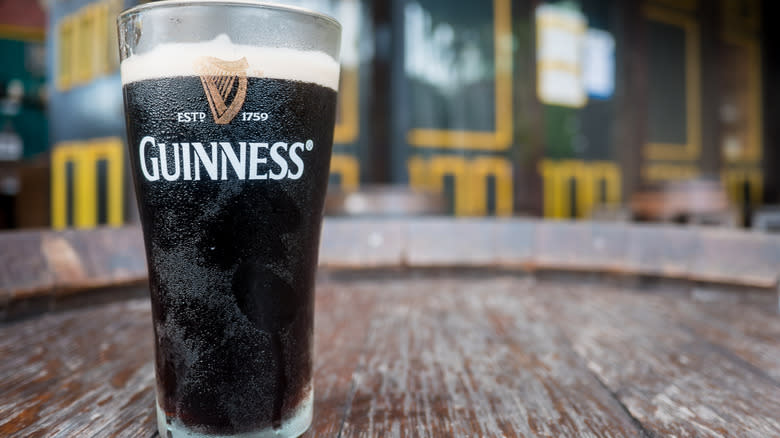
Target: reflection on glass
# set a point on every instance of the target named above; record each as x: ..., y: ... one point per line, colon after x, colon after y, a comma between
x: 440, y: 56
x: 448, y: 56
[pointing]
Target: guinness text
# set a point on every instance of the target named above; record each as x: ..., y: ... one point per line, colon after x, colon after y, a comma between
x: 194, y: 161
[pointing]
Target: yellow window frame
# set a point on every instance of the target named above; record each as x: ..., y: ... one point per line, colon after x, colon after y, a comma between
x: 84, y: 38
x: 691, y: 149
x: 348, y: 168
x: 501, y: 138
x: 752, y: 46
x: 65, y: 58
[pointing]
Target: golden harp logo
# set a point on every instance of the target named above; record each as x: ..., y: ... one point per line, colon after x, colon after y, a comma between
x: 224, y: 83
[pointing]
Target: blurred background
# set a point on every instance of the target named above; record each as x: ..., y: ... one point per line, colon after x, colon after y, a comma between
x: 646, y: 110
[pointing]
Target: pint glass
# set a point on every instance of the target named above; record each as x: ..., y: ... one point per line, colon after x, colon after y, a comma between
x: 230, y: 111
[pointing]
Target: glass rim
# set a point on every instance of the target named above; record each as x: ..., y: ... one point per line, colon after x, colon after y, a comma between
x: 255, y: 4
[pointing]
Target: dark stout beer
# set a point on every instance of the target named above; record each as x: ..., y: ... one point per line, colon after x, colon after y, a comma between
x: 230, y: 172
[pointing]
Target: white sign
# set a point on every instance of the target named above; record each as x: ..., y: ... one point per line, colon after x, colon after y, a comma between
x: 560, y: 33
x: 599, y: 64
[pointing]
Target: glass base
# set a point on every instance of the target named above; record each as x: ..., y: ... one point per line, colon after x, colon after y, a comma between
x: 292, y: 427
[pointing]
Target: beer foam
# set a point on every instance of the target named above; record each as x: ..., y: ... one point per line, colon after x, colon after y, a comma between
x: 182, y: 59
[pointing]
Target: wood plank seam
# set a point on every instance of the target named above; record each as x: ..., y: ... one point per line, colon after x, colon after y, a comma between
x: 645, y: 432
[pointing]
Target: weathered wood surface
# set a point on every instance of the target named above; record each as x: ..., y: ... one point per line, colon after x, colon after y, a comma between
x: 432, y: 357
x: 77, y: 374
x: 650, y: 352
x: 51, y: 265
x: 449, y: 358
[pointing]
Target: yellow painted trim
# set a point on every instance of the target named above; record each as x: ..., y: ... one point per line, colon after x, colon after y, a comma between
x: 691, y: 150
x: 669, y: 172
x: 100, y: 40
x: 732, y: 22
x: 470, y: 197
x: 557, y: 196
x: 586, y: 189
x: 78, y: 154
x: 84, y: 156
x: 501, y: 169
x: 552, y: 188
x: 86, y: 191
x: 501, y: 138
x: 754, y: 150
x: 348, y: 167
x: 418, y: 173
x: 563, y: 24
x: 565, y: 67
x: 22, y: 33
x: 686, y: 5
x: 734, y: 177
x: 611, y: 175
x: 756, y: 85
x: 64, y: 52
x: 86, y: 44
x: 111, y: 150
x: 348, y: 128
x: 442, y: 165
x: 77, y: 52
x: 86, y: 35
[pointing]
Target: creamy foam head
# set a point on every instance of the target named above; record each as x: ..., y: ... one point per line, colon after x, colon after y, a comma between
x: 182, y: 59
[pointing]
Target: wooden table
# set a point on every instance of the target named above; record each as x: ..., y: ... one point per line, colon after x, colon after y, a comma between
x: 433, y: 328
x: 432, y: 355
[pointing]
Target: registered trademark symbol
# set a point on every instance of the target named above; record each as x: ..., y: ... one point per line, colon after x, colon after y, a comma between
x: 309, y: 145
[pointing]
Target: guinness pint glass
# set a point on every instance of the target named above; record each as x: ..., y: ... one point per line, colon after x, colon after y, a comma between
x: 230, y: 111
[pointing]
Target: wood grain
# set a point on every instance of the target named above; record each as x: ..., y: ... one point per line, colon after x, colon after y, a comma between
x: 736, y: 257
x: 673, y: 381
x: 79, y: 373
x: 45, y: 265
x: 749, y: 332
x: 424, y: 356
x: 460, y: 358
x: 344, y: 313
x: 23, y: 268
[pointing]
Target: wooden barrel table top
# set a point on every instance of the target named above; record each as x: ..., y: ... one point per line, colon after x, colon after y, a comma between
x: 426, y: 350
